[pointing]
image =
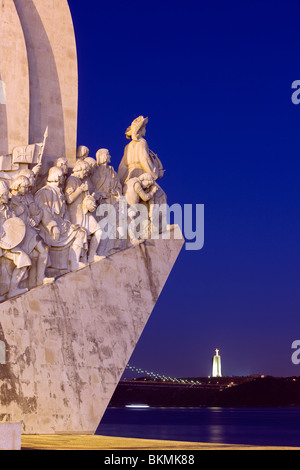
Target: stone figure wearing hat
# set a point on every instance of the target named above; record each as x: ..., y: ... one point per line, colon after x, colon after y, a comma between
x: 139, y: 159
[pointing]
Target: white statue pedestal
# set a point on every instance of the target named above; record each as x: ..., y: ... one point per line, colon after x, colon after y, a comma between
x: 10, y: 436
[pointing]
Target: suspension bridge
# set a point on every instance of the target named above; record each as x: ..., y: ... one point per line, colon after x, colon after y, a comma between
x: 164, y: 378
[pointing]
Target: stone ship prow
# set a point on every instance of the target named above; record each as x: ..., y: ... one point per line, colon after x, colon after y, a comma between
x: 67, y: 343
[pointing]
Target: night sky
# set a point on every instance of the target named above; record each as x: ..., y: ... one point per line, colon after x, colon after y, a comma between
x: 215, y: 80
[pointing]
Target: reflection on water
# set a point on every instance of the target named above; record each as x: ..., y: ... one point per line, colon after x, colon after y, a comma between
x: 256, y: 426
x: 215, y: 433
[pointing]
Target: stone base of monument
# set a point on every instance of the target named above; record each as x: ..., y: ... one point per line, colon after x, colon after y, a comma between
x: 65, y: 345
x: 10, y: 436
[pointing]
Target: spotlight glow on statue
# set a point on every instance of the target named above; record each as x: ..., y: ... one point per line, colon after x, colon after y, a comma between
x: 216, y: 367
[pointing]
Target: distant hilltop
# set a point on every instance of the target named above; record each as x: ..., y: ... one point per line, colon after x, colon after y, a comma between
x: 250, y: 391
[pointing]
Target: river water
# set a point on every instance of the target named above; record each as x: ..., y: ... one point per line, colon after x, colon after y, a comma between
x: 253, y: 426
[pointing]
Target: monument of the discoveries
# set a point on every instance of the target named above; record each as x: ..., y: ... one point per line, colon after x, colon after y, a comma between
x: 80, y: 269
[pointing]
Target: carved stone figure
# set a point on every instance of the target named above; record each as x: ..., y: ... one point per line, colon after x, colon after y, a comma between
x: 31, y: 175
x: 89, y: 179
x: 108, y: 189
x: 24, y: 206
x: 65, y: 221
x: 139, y: 190
x: 34, y: 210
x: 62, y: 163
x: 14, y: 262
x: 105, y: 179
x: 82, y: 152
x: 137, y: 157
x: 92, y: 162
x: 68, y: 242
x: 81, y: 204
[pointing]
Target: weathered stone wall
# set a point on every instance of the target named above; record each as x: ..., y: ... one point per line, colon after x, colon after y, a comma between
x: 68, y: 343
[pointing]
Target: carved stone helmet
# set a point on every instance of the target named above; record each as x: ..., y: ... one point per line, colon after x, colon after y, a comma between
x: 136, y: 125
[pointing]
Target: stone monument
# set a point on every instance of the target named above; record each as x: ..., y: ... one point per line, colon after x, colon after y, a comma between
x: 77, y: 286
x: 216, y: 366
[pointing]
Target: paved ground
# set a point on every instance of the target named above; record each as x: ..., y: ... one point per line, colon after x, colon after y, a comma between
x: 75, y: 442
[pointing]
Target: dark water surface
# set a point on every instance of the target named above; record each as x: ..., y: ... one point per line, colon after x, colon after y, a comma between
x: 254, y: 426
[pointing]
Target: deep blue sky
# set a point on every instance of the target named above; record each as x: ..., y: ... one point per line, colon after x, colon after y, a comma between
x: 215, y: 79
